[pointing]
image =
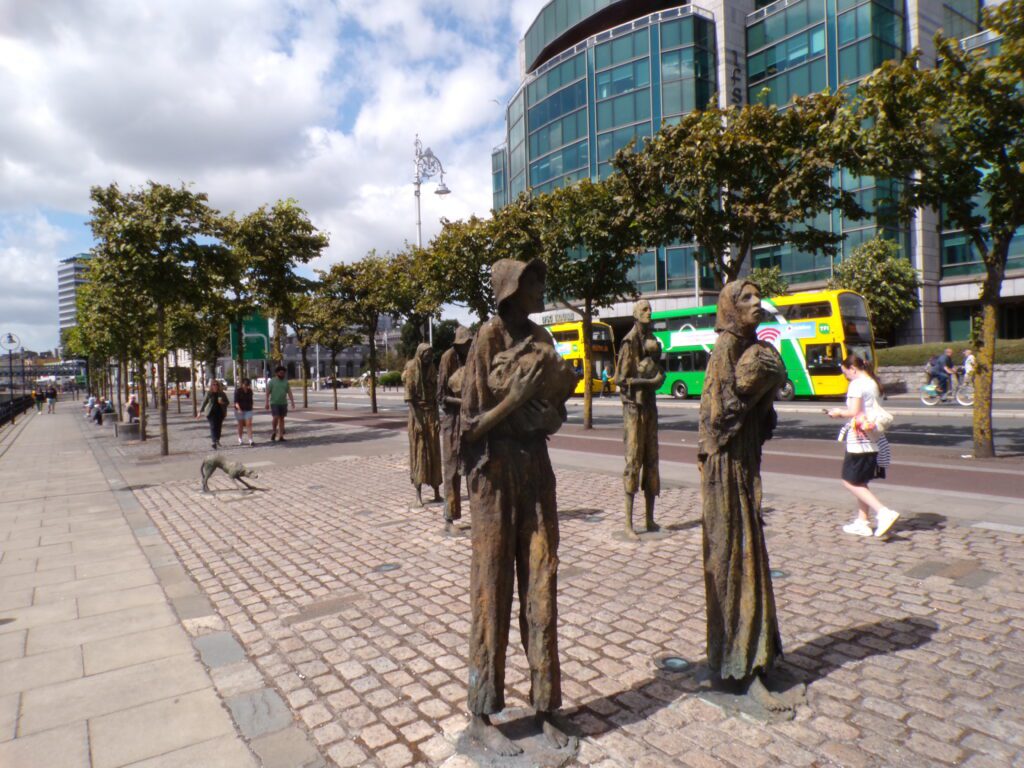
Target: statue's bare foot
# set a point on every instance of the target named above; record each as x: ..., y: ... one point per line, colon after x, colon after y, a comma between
x: 557, y: 738
x: 631, y: 534
x: 772, y: 702
x: 437, y: 495
x: 419, y: 495
x: 481, y: 729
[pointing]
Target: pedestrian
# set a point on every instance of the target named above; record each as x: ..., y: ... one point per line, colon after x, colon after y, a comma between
x: 606, y: 384
x: 243, y: 409
x: 38, y: 397
x: 51, y: 399
x: 862, y: 464
x: 969, y: 364
x: 133, y: 409
x: 279, y: 394
x: 216, y: 406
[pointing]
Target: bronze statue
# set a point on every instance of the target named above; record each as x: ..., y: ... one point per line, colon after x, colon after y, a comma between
x: 638, y: 376
x: 237, y: 472
x: 514, y: 389
x: 420, y: 379
x: 737, y: 415
x: 449, y: 393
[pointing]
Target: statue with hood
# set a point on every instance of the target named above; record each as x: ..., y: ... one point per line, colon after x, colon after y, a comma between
x: 638, y: 375
x: 449, y: 393
x: 737, y: 414
x: 514, y: 389
x: 420, y: 379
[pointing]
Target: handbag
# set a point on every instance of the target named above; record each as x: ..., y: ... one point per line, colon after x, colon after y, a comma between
x: 880, y: 417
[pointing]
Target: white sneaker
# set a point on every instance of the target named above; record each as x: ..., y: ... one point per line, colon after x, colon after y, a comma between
x: 858, y: 528
x: 886, y: 517
x: 239, y: 441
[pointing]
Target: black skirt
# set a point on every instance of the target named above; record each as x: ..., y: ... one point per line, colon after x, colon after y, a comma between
x: 861, y: 468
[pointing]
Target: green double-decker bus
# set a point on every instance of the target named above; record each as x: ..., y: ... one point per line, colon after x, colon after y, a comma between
x: 813, y: 332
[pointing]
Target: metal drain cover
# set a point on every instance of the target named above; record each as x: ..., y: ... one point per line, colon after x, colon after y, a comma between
x: 671, y: 663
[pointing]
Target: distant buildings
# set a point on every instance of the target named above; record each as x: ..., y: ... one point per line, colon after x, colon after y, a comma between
x: 70, y: 275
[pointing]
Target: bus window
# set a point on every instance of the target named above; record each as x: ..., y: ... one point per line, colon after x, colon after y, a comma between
x: 823, y: 359
x: 700, y: 361
x: 572, y: 335
x: 686, y: 362
x: 812, y: 310
x: 854, y: 315
x: 600, y: 333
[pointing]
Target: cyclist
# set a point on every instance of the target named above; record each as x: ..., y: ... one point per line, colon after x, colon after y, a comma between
x: 942, y: 370
x: 969, y: 364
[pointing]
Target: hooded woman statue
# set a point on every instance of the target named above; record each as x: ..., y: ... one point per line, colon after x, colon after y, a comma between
x: 420, y: 379
x: 736, y: 416
x: 449, y: 393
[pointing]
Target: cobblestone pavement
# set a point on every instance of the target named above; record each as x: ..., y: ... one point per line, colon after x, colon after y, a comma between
x: 354, y: 606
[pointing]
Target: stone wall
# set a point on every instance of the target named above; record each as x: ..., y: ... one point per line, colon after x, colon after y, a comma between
x: 1009, y: 379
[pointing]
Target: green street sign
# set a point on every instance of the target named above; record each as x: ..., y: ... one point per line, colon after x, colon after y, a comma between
x: 257, y: 337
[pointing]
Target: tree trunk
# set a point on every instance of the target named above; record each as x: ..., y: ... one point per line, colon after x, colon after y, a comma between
x: 305, y: 375
x: 193, y: 389
x: 278, y: 349
x: 161, y: 384
x: 125, y: 385
x: 118, y: 387
x: 334, y: 378
x: 588, y: 362
x: 372, y: 333
x: 984, y: 445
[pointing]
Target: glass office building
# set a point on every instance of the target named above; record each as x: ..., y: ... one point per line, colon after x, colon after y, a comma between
x: 597, y: 74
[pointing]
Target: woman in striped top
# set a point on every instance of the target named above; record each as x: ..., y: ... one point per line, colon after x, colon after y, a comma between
x: 861, y: 464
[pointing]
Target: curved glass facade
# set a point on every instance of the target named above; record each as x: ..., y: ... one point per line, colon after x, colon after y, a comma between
x: 576, y: 109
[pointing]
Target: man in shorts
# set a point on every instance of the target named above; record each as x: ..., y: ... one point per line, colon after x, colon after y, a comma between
x: 279, y: 394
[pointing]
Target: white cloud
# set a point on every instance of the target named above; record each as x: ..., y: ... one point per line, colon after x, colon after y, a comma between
x: 251, y: 101
x: 29, y: 248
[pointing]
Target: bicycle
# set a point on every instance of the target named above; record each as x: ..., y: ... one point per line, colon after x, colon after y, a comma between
x: 962, y: 391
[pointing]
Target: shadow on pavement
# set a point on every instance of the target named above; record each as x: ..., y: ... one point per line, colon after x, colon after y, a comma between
x: 812, y: 661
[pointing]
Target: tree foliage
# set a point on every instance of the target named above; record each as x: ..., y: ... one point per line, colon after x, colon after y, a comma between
x: 887, y: 281
x: 730, y: 179
x: 769, y: 280
x: 590, y: 247
x: 955, y: 135
x: 460, y: 259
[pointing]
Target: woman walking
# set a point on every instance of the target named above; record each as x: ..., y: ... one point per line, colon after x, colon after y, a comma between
x: 863, y: 442
x: 243, y: 409
x: 216, y: 406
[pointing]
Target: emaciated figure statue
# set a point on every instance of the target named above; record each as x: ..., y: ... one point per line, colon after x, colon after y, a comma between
x: 420, y: 379
x: 449, y: 392
x: 514, y: 390
x: 737, y: 415
x: 638, y: 376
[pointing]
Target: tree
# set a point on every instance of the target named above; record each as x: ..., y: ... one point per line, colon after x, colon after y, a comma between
x: 370, y: 285
x: 459, y: 259
x: 333, y: 325
x: 590, y: 247
x: 734, y: 178
x: 156, y: 240
x: 769, y: 281
x: 955, y: 136
x: 303, y: 324
x: 887, y: 281
x: 271, y: 243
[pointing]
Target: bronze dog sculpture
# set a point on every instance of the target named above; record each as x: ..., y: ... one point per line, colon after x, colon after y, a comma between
x: 237, y: 472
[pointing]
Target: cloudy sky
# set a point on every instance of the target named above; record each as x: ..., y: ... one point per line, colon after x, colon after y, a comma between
x: 250, y: 101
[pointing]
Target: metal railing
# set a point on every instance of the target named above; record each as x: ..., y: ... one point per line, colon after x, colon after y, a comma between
x: 10, y: 409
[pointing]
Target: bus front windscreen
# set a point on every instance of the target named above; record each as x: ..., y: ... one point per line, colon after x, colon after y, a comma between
x: 854, y: 315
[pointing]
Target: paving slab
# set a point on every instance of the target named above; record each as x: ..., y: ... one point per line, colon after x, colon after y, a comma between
x: 219, y: 649
x: 63, y: 747
x: 136, y: 648
x: 42, y: 669
x: 154, y: 729
x: 9, y: 715
x: 223, y: 752
x: 259, y: 712
x: 62, y: 634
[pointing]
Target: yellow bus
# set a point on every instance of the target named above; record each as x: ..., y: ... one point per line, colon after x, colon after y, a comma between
x: 813, y: 331
x: 569, y: 343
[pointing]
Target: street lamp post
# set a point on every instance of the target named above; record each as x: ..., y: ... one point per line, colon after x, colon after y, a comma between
x: 426, y: 165
x: 10, y: 342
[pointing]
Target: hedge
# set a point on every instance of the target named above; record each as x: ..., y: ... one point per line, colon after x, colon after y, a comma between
x: 1007, y: 351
